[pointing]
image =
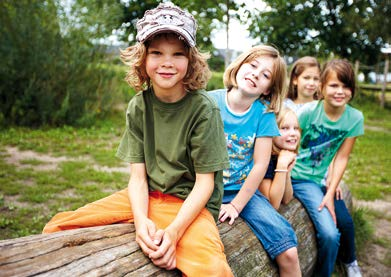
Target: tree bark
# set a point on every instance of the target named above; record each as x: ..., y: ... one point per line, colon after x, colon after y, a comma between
x: 112, y: 250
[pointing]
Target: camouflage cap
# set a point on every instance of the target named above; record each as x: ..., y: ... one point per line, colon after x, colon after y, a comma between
x: 167, y: 18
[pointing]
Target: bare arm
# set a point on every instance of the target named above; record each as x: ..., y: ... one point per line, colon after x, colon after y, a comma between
x: 338, y: 190
x: 138, y: 195
x: 165, y: 256
x: 281, y: 187
x: 264, y: 187
x: 262, y: 152
x: 288, y: 193
x: 339, y: 166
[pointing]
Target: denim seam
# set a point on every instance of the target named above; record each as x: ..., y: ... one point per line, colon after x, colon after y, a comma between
x: 281, y: 247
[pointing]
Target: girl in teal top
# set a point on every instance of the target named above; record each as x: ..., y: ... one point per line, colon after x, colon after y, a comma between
x: 329, y: 130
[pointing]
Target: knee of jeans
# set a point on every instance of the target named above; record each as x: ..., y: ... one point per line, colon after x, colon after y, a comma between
x: 330, y: 236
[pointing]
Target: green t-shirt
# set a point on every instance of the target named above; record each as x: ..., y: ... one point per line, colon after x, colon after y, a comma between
x: 321, y: 139
x: 176, y: 140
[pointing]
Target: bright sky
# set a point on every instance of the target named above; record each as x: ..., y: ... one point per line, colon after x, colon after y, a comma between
x: 239, y: 35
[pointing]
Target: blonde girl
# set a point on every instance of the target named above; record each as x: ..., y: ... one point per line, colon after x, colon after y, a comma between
x: 255, y: 87
x: 276, y: 185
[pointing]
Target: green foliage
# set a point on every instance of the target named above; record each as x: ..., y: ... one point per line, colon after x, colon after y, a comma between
x: 349, y: 29
x: 216, y: 62
x: 49, y: 70
x: 216, y: 81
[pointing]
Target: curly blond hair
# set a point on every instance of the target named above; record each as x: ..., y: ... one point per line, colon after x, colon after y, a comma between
x: 278, y: 85
x: 197, y: 75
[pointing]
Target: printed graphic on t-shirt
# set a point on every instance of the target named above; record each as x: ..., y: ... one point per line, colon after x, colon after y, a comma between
x: 240, y: 153
x: 320, y: 143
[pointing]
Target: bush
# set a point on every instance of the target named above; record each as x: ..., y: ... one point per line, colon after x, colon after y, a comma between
x: 49, y: 72
x: 216, y: 81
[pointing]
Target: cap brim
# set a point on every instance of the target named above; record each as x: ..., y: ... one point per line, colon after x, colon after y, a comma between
x: 166, y: 29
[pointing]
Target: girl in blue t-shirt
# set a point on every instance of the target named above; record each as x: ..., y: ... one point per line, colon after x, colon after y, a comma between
x: 255, y: 87
x: 329, y: 130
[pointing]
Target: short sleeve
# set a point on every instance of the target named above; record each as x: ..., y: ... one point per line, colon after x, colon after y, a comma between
x: 358, y: 127
x: 208, y: 146
x: 304, y: 114
x: 131, y: 148
x: 267, y: 126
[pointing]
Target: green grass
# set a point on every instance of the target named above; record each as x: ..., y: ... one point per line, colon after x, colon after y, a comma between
x: 369, y: 168
x: 369, y: 172
x: 29, y: 198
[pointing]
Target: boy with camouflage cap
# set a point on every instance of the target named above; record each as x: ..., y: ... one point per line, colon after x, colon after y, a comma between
x: 174, y: 141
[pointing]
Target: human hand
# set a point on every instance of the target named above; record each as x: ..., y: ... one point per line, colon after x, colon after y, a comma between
x: 145, y: 236
x: 286, y: 159
x: 338, y: 193
x: 165, y: 255
x: 228, y: 211
x: 328, y: 202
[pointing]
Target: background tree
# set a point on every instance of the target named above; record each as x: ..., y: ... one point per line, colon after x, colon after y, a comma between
x: 319, y: 27
x: 50, y: 72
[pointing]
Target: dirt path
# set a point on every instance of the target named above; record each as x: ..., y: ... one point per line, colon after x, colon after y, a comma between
x: 15, y: 157
x: 372, y: 264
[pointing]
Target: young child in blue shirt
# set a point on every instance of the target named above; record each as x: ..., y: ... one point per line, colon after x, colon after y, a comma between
x: 255, y: 87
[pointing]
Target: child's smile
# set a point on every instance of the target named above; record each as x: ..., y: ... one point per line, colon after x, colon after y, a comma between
x: 335, y: 93
x: 166, y: 66
x: 290, y: 134
x: 254, y: 77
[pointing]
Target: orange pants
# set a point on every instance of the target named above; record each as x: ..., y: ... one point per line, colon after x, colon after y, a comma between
x: 199, y: 252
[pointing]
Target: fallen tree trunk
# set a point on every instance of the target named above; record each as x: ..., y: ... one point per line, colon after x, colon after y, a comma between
x: 112, y: 250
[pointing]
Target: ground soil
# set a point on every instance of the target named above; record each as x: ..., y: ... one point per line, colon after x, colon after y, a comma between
x: 371, y: 263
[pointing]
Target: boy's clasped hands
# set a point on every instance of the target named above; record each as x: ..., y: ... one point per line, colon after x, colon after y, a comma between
x: 157, y: 244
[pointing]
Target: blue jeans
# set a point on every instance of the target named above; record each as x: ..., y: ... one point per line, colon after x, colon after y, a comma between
x: 311, y: 195
x: 272, y: 229
x: 347, y: 249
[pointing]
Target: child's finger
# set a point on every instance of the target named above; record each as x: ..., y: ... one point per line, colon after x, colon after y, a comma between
x: 321, y: 206
x: 157, y: 239
x: 231, y: 221
x: 224, y: 217
x: 146, y: 250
